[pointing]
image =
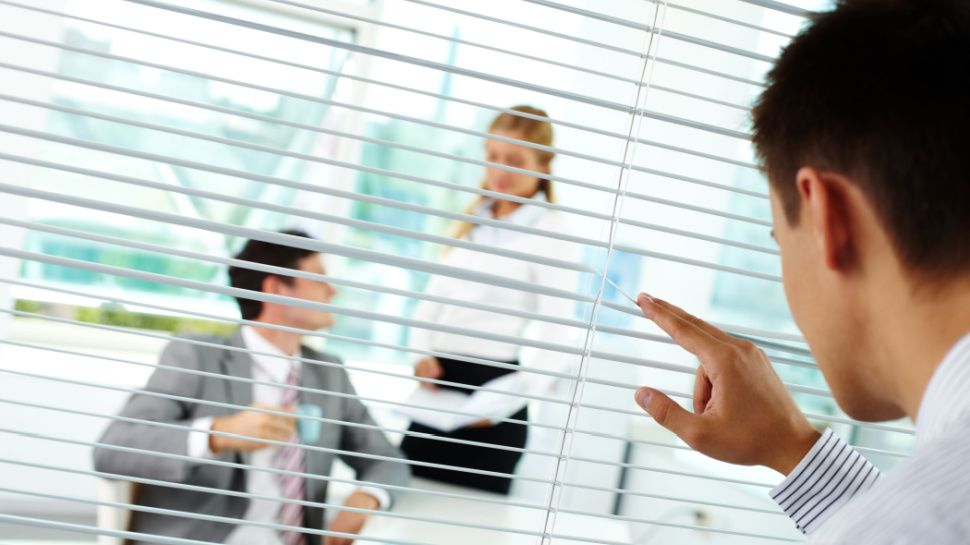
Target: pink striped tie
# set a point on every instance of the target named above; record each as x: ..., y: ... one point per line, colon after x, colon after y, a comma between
x: 291, y: 458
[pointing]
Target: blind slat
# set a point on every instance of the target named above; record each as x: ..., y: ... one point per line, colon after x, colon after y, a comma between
x: 443, y: 126
x: 725, y: 19
x: 688, y: 397
x: 382, y: 172
x: 162, y: 395
x: 780, y: 6
x: 585, y: 13
x: 370, y: 140
x: 505, y: 502
x: 334, y: 248
x: 313, y: 476
x: 755, y: 335
x: 260, y: 296
x: 407, y: 59
x: 297, y: 242
x: 278, y: 471
x: 329, y: 478
x: 342, y: 164
x: 323, y: 392
x: 740, y: 331
x: 339, y: 281
x: 365, y: 537
x: 349, y: 221
x: 307, y: 156
x: 272, y: 442
x: 577, y: 39
x: 455, y: 40
x: 389, y: 514
x: 458, y: 71
x: 368, y: 199
x: 65, y: 47
x: 667, y: 33
x: 322, y: 334
x: 289, y: 301
x: 296, y: 273
x: 408, y: 462
x: 480, y: 220
x: 96, y: 531
x: 495, y: 109
x: 177, y: 514
x: 629, y: 333
x: 338, y: 249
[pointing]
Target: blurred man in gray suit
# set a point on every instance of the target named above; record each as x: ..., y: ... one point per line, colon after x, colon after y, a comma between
x: 259, y: 364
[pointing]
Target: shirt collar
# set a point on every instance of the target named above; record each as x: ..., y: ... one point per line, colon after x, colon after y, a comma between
x: 945, y: 400
x: 523, y: 215
x: 494, y: 235
x: 273, y: 361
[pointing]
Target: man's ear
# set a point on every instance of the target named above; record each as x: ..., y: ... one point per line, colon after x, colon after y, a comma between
x: 826, y: 214
x: 272, y: 284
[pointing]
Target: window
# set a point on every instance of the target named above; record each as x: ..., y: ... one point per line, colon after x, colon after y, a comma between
x: 190, y: 89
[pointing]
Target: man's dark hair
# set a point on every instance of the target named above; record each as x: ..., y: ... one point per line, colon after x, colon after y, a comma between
x: 879, y: 91
x: 266, y: 253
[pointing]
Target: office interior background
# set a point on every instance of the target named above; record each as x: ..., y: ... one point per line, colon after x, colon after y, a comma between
x: 139, y: 138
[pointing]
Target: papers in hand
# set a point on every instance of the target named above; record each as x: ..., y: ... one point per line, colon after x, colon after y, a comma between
x: 439, y: 408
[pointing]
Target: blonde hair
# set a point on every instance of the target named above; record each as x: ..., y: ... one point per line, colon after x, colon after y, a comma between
x: 530, y: 130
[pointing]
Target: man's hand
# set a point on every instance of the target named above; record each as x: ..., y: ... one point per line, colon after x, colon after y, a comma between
x: 428, y: 368
x: 742, y: 412
x: 252, y: 424
x: 350, y: 522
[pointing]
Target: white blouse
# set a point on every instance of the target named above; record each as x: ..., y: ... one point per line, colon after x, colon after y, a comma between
x: 507, y: 298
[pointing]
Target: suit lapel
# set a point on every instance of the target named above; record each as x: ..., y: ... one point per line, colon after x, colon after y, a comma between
x: 238, y: 364
x: 308, y: 376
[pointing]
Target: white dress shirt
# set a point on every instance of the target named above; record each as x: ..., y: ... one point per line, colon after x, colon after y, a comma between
x: 512, y: 299
x: 838, y: 498
x: 274, y: 369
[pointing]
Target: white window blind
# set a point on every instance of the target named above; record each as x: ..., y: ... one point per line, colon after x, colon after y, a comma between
x: 144, y: 141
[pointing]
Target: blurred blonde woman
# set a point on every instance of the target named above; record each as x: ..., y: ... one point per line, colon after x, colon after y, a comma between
x: 538, y: 189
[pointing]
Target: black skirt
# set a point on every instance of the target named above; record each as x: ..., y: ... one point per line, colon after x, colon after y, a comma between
x: 469, y: 456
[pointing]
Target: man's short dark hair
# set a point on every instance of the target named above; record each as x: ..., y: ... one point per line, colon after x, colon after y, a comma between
x: 879, y: 91
x: 266, y: 253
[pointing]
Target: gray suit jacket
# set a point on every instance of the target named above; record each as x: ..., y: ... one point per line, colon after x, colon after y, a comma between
x: 198, y: 473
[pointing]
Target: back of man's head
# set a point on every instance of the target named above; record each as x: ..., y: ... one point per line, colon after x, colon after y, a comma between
x: 266, y: 253
x: 879, y: 91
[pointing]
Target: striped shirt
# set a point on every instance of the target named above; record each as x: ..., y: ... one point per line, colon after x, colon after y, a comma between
x: 837, y: 497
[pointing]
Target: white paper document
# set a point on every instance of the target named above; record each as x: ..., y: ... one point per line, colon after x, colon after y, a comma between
x: 438, y: 406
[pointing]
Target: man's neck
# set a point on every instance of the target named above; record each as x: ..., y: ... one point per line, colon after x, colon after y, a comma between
x: 916, y: 331
x: 286, y: 342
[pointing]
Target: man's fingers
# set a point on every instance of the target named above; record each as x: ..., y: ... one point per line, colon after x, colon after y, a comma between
x: 427, y: 369
x: 275, y: 409
x: 668, y: 413
x: 285, y: 427
x: 276, y: 426
x: 711, y: 330
x: 688, y: 335
x: 702, y: 390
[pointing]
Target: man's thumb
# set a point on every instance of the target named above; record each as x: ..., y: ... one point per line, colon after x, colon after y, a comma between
x: 664, y: 410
